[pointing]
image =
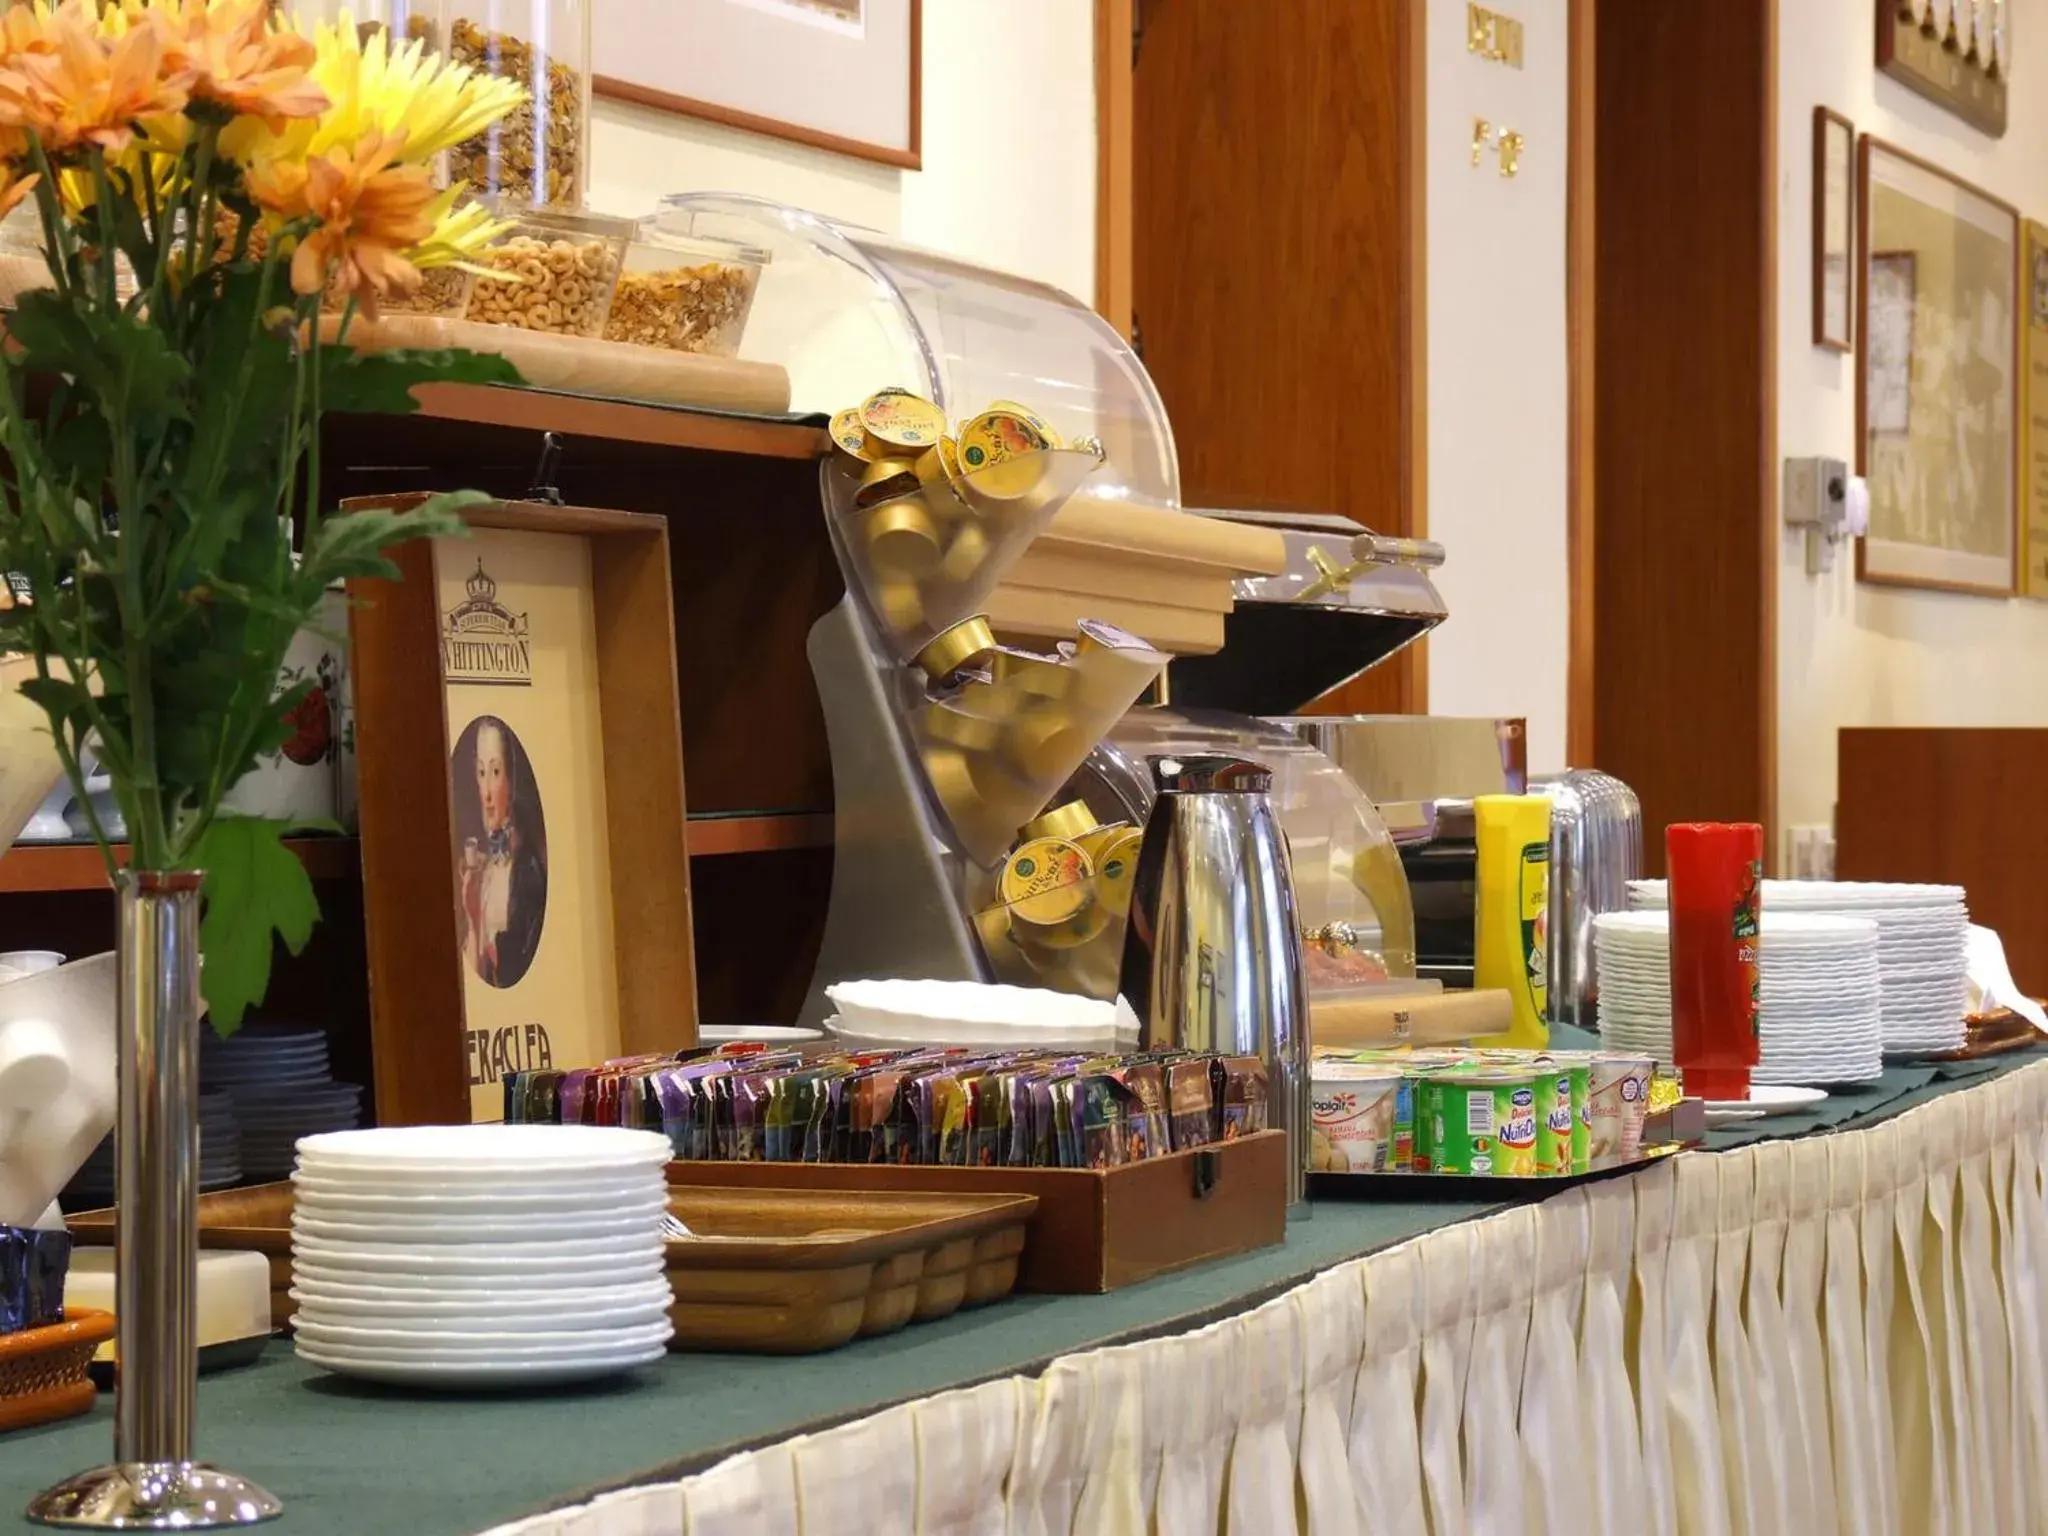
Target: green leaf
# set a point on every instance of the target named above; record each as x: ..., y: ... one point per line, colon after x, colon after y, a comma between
x: 126, y: 362
x: 381, y: 383
x: 353, y: 544
x: 255, y: 888
x: 60, y: 698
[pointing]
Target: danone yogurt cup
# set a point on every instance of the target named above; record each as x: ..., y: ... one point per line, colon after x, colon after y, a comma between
x: 1618, y: 1103
x: 1580, y: 1065
x: 1555, y: 1117
x: 1482, y: 1121
x: 1352, y: 1110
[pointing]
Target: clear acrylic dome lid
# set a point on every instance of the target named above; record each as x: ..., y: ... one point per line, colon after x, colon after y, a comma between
x: 847, y: 311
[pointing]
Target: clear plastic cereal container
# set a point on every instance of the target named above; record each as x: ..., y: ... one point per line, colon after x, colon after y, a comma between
x: 552, y: 272
x: 539, y: 155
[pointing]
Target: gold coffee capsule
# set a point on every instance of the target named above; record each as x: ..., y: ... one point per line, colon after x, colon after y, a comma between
x: 1046, y: 745
x: 1072, y: 821
x: 993, y: 924
x: 1114, y: 852
x: 951, y: 778
x: 1047, y: 882
x: 901, y: 538
x: 902, y: 420
x: 965, y: 554
x: 956, y: 648
x: 957, y: 728
x: 1045, y: 430
x: 996, y: 439
x: 1072, y: 934
x: 1033, y: 676
x: 851, y: 437
x: 884, y: 479
x: 949, y: 455
x: 901, y: 606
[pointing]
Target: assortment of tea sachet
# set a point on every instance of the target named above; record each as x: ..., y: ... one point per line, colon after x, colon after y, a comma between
x: 951, y: 1107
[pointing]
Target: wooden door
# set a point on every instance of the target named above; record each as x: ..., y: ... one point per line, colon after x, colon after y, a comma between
x: 1276, y: 266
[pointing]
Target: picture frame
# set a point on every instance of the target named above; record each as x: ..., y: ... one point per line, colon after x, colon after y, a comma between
x: 526, y: 881
x: 844, y: 76
x: 1834, y: 230
x: 2034, y: 414
x: 1956, y: 53
x: 1937, y: 408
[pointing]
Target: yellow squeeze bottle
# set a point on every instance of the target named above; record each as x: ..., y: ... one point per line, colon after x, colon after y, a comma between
x: 1511, y: 915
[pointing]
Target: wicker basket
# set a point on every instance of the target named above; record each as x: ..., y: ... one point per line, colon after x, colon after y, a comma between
x: 43, y: 1370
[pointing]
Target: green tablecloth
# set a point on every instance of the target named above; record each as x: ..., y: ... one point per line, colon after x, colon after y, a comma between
x: 351, y: 1458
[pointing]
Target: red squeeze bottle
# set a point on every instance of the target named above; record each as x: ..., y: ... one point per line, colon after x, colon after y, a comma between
x: 1715, y: 870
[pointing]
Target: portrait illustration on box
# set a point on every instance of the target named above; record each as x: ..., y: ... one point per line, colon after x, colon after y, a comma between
x: 501, y: 853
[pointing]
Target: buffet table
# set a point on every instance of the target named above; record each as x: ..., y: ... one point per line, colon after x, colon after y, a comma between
x: 1258, y: 1358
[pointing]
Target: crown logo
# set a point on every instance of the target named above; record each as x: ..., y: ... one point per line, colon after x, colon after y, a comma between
x: 482, y: 641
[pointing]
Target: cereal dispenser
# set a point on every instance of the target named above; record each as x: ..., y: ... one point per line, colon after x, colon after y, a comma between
x: 538, y: 157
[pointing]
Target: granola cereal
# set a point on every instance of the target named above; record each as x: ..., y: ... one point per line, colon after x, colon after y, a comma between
x: 687, y: 309
x: 501, y: 160
x: 548, y: 285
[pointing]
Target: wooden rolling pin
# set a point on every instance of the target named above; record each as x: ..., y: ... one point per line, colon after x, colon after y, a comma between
x: 1442, y: 1018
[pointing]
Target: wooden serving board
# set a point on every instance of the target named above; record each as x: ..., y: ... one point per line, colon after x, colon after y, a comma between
x: 587, y: 365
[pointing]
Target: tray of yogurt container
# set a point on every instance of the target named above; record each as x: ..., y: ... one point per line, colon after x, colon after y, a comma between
x: 1471, y: 1123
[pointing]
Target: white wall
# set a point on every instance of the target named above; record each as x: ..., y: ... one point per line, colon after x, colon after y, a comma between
x: 1008, y: 141
x: 1850, y: 654
x: 1498, y: 382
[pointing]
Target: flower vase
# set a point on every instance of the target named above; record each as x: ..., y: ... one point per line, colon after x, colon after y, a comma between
x: 153, y: 1482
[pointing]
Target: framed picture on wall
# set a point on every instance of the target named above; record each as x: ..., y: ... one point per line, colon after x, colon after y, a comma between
x: 1937, y: 379
x: 2034, y: 412
x: 1834, y: 230
x: 840, y: 75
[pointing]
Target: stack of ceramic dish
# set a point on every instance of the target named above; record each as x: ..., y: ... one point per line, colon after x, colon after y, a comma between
x: 278, y: 1078
x: 220, y: 1158
x: 481, y: 1256
x: 973, y: 1013
x: 1923, y: 936
x: 1821, y: 1020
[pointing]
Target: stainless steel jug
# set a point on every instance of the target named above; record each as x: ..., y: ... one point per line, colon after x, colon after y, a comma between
x: 1212, y: 957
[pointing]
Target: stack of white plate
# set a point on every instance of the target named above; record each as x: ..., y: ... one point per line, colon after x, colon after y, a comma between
x: 1821, y: 1018
x: 220, y: 1158
x: 278, y: 1079
x: 1923, y: 937
x: 481, y: 1256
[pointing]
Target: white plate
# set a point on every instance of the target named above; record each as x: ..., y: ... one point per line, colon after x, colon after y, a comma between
x: 457, y: 1376
x: 1768, y: 1100
x: 468, y: 1200
x: 1732, y: 1116
x: 446, y: 1232
x: 510, y: 1151
x: 443, y: 1280
x: 624, y: 1306
x: 476, y: 1298
x: 501, y: 1345
x: 400, y: 1249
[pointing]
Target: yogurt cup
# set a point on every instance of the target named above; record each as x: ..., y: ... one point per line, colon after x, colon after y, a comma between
x: 1618, y: 1102
x: 1352, y: 1115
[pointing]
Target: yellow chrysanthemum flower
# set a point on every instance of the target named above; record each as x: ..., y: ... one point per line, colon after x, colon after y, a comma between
x: 378, y: 90
x: 461, y: 233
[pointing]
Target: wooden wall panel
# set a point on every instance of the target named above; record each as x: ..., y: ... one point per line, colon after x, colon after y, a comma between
x: 1685, y: 409
x: 1275, y: 271
x: 1956, y: 807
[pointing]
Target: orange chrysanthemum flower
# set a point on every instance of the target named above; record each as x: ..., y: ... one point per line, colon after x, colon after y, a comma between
x: 13, y: 189
x: 368, y: 211
x: 72, y: 86
x: 241, y: 60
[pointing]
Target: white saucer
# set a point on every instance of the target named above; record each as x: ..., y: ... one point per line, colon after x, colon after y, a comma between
x: 1767, y: 1099
x: 464, y: 1376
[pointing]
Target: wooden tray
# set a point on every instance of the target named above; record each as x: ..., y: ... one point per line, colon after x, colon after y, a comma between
x: 1095, y: 1230
x: 584, y: 365
x: 43, y: 1371
x: 793, y: 1271
x: 257, y: 1219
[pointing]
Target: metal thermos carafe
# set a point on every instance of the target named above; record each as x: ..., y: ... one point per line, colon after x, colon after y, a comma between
x: 1212, y: 957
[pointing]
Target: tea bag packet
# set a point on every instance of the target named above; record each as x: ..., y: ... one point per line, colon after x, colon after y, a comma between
x: 1191, y: 1101
x: 1244, y: 1096
x: 33, y: 1265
